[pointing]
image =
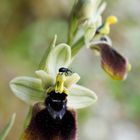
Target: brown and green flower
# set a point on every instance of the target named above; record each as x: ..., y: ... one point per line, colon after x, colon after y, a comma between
x: 111, y: 61
x: 94, y: 34
x: 54, y: 96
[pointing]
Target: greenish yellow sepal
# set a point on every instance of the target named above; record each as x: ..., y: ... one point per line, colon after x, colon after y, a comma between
x: 80, y: 97
x: 28, y: 89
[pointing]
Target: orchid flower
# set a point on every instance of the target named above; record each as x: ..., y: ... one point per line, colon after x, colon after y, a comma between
x: 87, y: 22
x: 51, y: 82
x: 34, y: 89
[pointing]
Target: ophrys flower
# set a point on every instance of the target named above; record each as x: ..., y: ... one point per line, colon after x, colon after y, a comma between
x: 54, y: 96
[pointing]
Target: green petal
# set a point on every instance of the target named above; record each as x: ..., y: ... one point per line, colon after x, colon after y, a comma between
x: 46, y: 79
x: 80, y: 97
x: 5, y: 131
x: 111, y: 61
x: 70, y: 80
x: 60, y: 56
x: 27, y: 89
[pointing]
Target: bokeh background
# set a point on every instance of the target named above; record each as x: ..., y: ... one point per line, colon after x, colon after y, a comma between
x: 26, y: 29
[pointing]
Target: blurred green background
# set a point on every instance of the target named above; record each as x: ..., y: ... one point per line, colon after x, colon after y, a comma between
x: 26, y: 29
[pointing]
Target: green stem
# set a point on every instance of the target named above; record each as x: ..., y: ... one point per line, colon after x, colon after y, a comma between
x: 26, y: 121
x: 77, y: 46
x: 73, y: 25
x: 28, y: 118
x: 73, y: 28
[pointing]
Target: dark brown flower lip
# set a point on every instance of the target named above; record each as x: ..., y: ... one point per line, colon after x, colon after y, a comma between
x: 111, y: 61
x: 44, y: 127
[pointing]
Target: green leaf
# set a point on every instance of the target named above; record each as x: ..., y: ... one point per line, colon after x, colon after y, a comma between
x: 80, y: 97
x: 73, y: 27
x: 45, y: 56
x: 5, y: 131
x: 28, y: 89
x: 60, y: 56
x: 77, y: 46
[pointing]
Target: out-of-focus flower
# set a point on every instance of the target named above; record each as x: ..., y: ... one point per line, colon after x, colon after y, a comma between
x: 111, y: 61
x: 94, y: 35
x: 88, y: 10
x: 58, y: 93
x: 87, y: 15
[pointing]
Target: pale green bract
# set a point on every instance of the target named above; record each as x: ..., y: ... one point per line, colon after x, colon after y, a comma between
x: 32, y: 90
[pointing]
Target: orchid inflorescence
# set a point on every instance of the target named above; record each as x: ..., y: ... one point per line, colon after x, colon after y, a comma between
x: 54, y: 93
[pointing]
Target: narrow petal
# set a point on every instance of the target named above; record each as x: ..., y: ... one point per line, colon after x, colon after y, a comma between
x: 27, y: 89
x: 46, y: 79
x: 60, y: 56
x: 5, y: 131
x: 80, y: 97
x: 70, y: 80
x: 111, y: 61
